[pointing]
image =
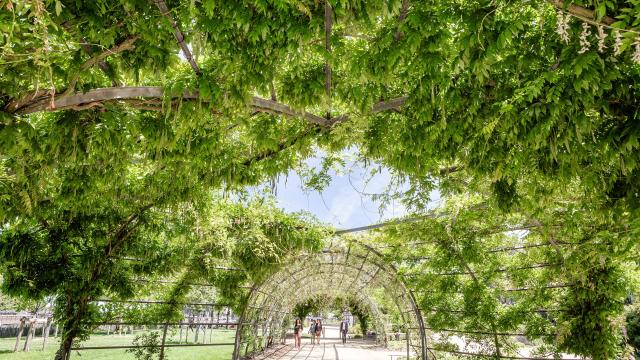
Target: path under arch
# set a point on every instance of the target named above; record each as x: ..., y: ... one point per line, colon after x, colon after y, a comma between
x: 330, y: 348
x: 345, y: 268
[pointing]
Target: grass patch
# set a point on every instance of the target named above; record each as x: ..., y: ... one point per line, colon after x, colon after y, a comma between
x: 196, y: 352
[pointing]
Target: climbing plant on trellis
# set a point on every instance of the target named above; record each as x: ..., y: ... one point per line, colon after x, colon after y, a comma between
x: 112, y: 143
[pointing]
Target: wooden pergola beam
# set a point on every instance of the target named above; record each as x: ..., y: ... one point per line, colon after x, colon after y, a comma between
x: 41, y: 101
x: 581, y: 12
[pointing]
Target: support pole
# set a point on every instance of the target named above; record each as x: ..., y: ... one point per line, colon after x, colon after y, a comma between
x: 408, y: 349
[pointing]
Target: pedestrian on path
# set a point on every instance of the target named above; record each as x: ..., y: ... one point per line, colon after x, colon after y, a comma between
x: 312, y: 330
x: 344, y: 329
x: 318, y: 330
x: 297, y: 332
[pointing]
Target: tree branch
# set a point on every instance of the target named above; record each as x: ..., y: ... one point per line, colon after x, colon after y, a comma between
x: 84, y: 44
x: 164, y: 10
x: 581, y: 12
x: 283, y: 145
x: 328, y: 24
x: 404, y: 10
x: 127, y: 44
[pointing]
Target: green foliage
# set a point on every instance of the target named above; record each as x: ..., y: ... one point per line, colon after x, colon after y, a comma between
x: 147, y: 346
x: 309, y: 306
x: 362, y: 314
x: 633, y: 328
x: 535, y: 133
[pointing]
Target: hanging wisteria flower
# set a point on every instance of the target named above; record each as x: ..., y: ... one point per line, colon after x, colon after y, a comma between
x: 601, y: 39
x: 563, y: 27
x: 584, y: 38
x: 636, y: 54
x: 617, y: 46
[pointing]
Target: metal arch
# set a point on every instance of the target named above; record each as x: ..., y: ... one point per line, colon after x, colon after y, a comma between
x: 270, y: 315
x: 361, y: 297
x: 294, y: 281
x: 266, y: 294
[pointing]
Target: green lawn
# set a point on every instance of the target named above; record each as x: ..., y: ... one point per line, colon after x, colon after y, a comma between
x: 196, y: 352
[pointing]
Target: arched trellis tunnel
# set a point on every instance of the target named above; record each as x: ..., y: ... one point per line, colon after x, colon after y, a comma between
x: 343, y: 268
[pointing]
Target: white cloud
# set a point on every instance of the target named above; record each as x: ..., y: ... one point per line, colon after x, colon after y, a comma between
x: 343, y: 206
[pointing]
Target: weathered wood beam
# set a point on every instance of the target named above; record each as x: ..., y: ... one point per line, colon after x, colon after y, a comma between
x: 393, y: 104
x: 41, y: 101
x: 164, y: 10
x: 581, y: 12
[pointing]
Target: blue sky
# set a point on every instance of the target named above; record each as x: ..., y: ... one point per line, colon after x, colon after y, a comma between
x: 343, y: 203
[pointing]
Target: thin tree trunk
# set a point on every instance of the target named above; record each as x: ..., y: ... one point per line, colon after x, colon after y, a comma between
x: 30, y: 332
x: 45, y: 332
x: 164, y: 339
x: 180, y: 339
x: 20, y: 329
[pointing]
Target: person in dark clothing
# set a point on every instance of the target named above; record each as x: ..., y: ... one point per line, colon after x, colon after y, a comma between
x: 318, y: 330
x: 344, y: 329
x: 297, y: 333
x: 312, y: 331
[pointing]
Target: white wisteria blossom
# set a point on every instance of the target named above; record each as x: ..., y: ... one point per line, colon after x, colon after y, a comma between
x: 584, y: 38
x: 617, y: 46
x: 636, y: 53
x: 602, y: 36
x: 563, y: 27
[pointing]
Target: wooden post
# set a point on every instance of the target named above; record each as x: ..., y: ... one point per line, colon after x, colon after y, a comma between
x: 408, y: 353
x: 20, y: 328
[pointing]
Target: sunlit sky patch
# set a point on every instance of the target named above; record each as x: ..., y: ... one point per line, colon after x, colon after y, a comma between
x: 346, y: 202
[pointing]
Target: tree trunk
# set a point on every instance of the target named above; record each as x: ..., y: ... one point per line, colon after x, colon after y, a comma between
x: 20, y: 328
x: 75, y: 311
x: 180, y: 339
x: 195, y: 340
x: 45, y: 332
x: 164, y: 339
x: 30, y: 333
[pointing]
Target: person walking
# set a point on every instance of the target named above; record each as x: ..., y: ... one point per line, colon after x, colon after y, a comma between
x: 297, y: 333
x: 312, y: 331
x: 318, y: 330
x: 344, y: 329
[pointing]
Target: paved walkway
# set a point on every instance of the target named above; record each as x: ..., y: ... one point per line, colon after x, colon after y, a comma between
x: 330, y: 348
